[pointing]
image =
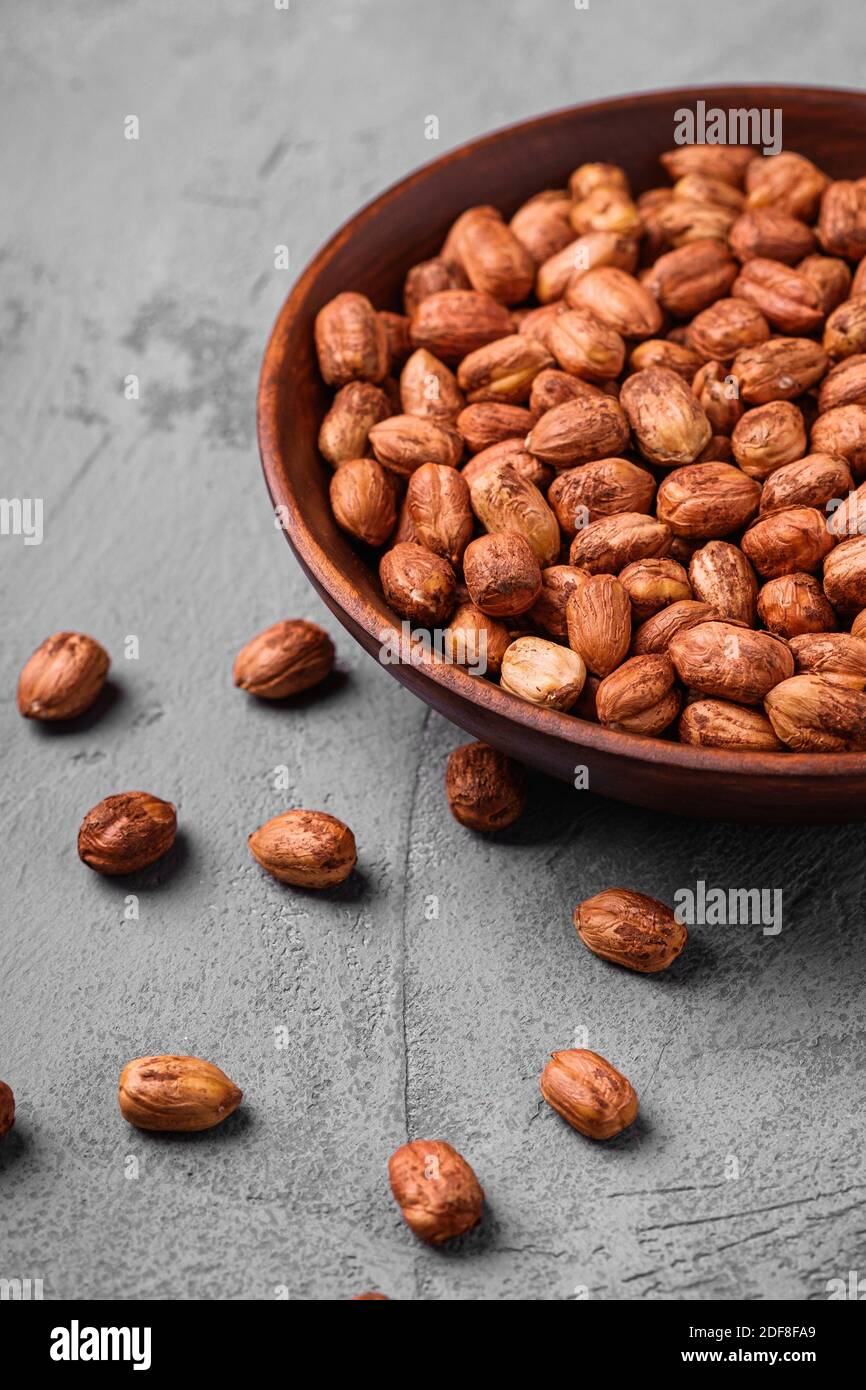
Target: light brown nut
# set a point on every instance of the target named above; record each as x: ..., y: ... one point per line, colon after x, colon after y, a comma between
x: 606, y: 546
x: 308, y: 849
x: 661, y: 352
x: 344, y: 431
x: 858, y: 627
x: 728, y: 162
x: 653, y: 585
x: 845, y: 330
x: 441, y: 513
x: 735, y: 663
x: 598, y: 619
x: 292, y: 656
x: 718, y: 450
x: 495, y: 261
x: 429, y: 389
x: 503, y: 500
x: 845, y: 575
x: 718, y: 394
x: 403, y: 442
x: 178, y: 1094
x: 683, y: 220
x: 63, y: 677
x: 363, y: 500
x: 692, y: 277
x: 542, y: 672
x: 502, y: 574
x: 721, y: 724
x: 768, y: 437
x: 404, y: 531
x: 590, y: 1094
x: 548, y: 611
x: 842, y: 431
x: 649, y: 205
x: 585, y: 428
x: 775, y: 235
x: 475, y: 640
x: 551, y: 388
x: 351, y: 341
x: 842, y: 221
x: 813, y: 714
x: 838, y: 656
x: 796, y: 539
x: 778, y: 370
x: 602, y: 488
x: 586, y: 253
x: 606, y: 208
x: 656, y: 634
x: 417, y: 584
x: 437, y: 1192
x: 830, y: 277
x: 630, y: 929
x: 430, y: 277
x: 7, y: 1109
x: 786, y: 182
x: 398, y: 338
x: 704, y: 188
x: 513, y: 453
x: 486, y: 791
x: 707, y: 500
x: 794, y: 604
x: 721, y: 576
x: 126, y: 832
x: 585, y: 346
x: 844, y: 384
x: 452, y: 323
x: 504, y: 370
x: 490, y: 422
x: 586, y: 177
x: 619, y: 300
x: 537, y: 323
x: 787, y: 299
x: 542, y: 225
x: 809, y: 482
x: 726, y: 327
x: 668, y: 423
x: 640, y: 696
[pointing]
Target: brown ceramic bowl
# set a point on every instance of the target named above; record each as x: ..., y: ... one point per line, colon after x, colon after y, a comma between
x: 372, y: 253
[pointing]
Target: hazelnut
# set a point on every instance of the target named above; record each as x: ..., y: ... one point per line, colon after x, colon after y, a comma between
x: 589, y: 1093
x: 485, y: 789
x: 418, y: 584
x: 308, y: 849
x: 126, y: 832
x: 63, y: 677
x: 502, y: 573
x: 181, y: 1094
x: 630, y: 929
x: 286, y: 658
x: 543, y: 673
x: 437, y: 1192
x: 7, y: 1109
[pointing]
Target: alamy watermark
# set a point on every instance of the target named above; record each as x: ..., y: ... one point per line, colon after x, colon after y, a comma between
x: 715, y: 907
x: 22, y: 516
x: 710, y: 125
x: 418, y: 644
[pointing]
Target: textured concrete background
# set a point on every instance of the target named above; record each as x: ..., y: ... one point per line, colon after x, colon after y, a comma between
x: 155, y: 257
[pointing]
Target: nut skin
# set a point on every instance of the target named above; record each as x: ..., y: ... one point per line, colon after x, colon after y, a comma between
x: 429, y: 277
x: 845, y: 330
x: 503, y: 500
x: 453, y: 323
x: 707, y: 500
x: 7, y: 1109
x: 590, y: 1094
x: 351, y: 341
x: 726, y: 162
x: 344, y: 432
x: 486, y: 791
x: 844, y: 384
x: 469, y: 626
x: 721, y: 576
x: 683, y: 220
x: 838, y: 656
x: 768, y: 437
x: 287, y: 657
x: 598, y: 620
x: 606, y: 546
x: 816, y: 714
x: 307, y: 849
x: 363, y: 500
x: 513, y: 453
x: 775, y: 236
x: 584, y: 346
x: 787, y: 182
x: 779, y: 370
x: 441, y: 514
x: 542, y: 224
x: 588, y: 252
x: 692, y: 277
x: 428, y: 389
x: 62, y: 678
x: 663, y: 352
x: 721, y: 724
x: 585, y: 428
x: 548, y: 611
x: 601, y: 488
x: 181, y: 1095
x: 726, y: 327
x: 126, y: 832
x: 370, y: 1298
x: 490, y: 422
x: 653, y: 585
x: 619, y: 300
x: 495, y: 261
x: 437, y: 1192
x: 830, y: 277
x: 842, y: 220
x: 845, y: 575
x: 842, y: 431
x: 716, y: 392
x: 787, y: 542
x: 639, y: 696
x: 808, y: 482
x: 403, y: 443
x: 502, y: 574
x: 731, y: 662
x: 503, y: 371
x: 668, y: 423
x: 657, y: 633
x: 418, y: 584
x: 543, y: 673
x: 630, y: 929
x: 795, y: 604
x: 786, y: 298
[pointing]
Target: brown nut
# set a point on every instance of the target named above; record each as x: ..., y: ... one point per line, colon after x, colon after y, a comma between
x: 794, y: 604
x: 357, y: 407
x: 429, y: 277
x: 63, y: 677
x: 488, y: 423
x: 504, y: 370
x: 772, y: 235
x: 590, y: 1094
x: 692, y: 277
x: 418, y: 584
x: 602, y: 488
x: 809, y: 482
x: 585, y: 346
x: 707, y: 500
x: 817, y: 714
x: 178, y: 1094
x: 288, y: 657
x: 551, y: 388
x: 308, y: 849
x: 403, y: 442
x: 126, y: 832
x: 785, y: 297
x: 779, y: 370
x: 7, y: 1109
x: 502, y: 574
x: 588, y: 252
x: 830, y: 277
x: 683, y: 220
x: 548, y: 611
x: 847, y: 512
x: 796, y: 539
x: 842, y: 222
x: 503, y: 500
x: 512, y: 453
x: 439, y: 506
x: 485, y: 789
x: 726, y: 327
x: 475, y: 640
x: 787, y: 182
x: 452, y: 323
x: 845, y: 330
x: 732, y: 662
x: 718, y: 394
x: 838, y: 656
x: 653, y: 585
x: 657, y: 633
x: 721, y: 576
x: 768, y: 437
x: 662, y: 352
x: 363, y: 501
x: 858, y: 627
x: 495, y: 261
x: 580, y: 430
x: 587, y: 177
x: 630, y: 929
x: 668, y: 423
x: 542, y: 224
x: 844, y: 384
x: 437, y: 1192
x: 721, y: 724
x: 598, y: 620
x: 728, y: 162
x: 842, y: 431
x: 705, y: 188
x: 639, y: 696
x: 351, y: 341
x: 542, y: 672
x: 606, y: 546
x: 429, y: 389
x: 606, y: 208
x: 845, y: 575
x: 619, y: 300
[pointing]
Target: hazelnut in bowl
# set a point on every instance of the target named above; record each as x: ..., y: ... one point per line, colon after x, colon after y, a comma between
x: 605, y: 422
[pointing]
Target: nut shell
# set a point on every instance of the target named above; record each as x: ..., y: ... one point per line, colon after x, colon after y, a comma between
x: 287, y: 657
x: 308, y: 849
x: 589, y: 1093
x: 126, y: 832
x: 179, y: 1094
x: 437, y: 1192
x: 63, y: 677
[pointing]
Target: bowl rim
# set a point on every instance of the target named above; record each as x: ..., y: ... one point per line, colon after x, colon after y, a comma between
x: 346, y: 601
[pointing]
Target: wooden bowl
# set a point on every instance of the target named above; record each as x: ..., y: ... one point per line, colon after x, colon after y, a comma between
x: 372, y: 253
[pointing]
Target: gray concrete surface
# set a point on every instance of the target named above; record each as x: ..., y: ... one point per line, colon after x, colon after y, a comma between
x: 155, y: 257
